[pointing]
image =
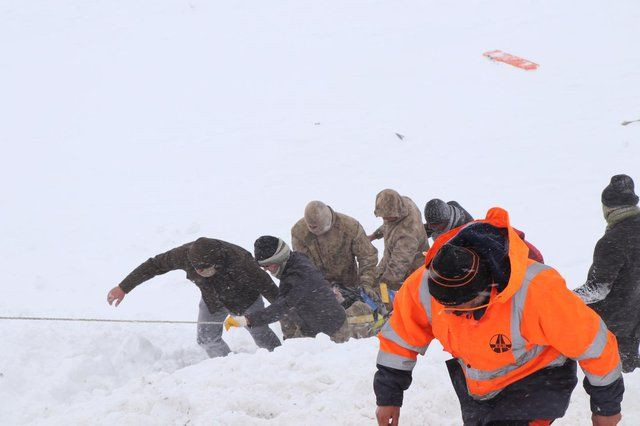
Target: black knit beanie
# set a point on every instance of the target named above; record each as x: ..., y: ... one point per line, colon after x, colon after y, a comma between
x: 265, y: 247
x: 619, y: 192
x: 437, y: 211
x: 457, y: 275
x: 205, y: 252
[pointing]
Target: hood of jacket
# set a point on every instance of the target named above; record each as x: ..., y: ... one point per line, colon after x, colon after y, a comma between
x: 390, y: 204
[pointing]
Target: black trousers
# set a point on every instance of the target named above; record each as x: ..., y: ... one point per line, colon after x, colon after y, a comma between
x: 628, y: 348
x: 542, y: 395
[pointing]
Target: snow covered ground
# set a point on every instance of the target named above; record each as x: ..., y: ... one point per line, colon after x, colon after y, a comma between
x: 129, y: 127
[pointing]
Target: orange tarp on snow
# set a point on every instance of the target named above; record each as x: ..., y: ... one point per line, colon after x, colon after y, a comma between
x: 508, y: 58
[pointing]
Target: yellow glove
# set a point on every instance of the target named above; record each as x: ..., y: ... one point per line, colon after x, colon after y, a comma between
x: 232, y: 321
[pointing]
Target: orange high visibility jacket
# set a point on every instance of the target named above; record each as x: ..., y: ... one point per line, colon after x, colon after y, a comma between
x: 535, y: 322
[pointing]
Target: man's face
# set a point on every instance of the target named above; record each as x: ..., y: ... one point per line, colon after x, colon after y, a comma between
x: 272, y: 269
x: 318, y: 217
x: 437, y: 227
x: 477, y: 301
x: 206, y: 271
x: 319, y: 228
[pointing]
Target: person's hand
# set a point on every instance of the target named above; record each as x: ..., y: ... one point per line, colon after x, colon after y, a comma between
x: 115, y: 295
x: 233, y: 321
x: 387, y: 415
x: 337, y: 294
x: 606, y: 420
x: 372, y: 293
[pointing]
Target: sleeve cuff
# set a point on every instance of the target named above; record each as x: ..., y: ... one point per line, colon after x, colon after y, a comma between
x: 605, y: 400
x: 389, y: 401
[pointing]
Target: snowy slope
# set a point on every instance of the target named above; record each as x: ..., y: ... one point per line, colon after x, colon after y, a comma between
x: 130, y: 127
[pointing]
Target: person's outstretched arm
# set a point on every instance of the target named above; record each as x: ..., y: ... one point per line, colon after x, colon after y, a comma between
x: 157, y: 265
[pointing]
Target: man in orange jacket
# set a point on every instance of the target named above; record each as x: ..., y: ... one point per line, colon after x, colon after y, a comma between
x: 514, y: 329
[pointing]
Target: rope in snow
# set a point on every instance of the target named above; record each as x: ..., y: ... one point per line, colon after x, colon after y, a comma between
x: 109, y: 320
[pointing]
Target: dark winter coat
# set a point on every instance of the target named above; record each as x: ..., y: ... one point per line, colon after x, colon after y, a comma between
x: 613, y: 283
x: 304, y: 297
x: 238, y: 281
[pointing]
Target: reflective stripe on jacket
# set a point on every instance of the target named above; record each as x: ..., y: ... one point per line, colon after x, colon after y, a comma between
x: 535, y: 322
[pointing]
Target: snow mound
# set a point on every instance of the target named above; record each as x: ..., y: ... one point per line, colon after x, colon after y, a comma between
x: 160, y: 377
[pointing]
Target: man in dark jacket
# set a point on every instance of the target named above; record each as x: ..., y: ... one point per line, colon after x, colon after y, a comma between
x: 442, y: 217
x: 229, y: 280
x: 613, y: 283
x: 304, y: 296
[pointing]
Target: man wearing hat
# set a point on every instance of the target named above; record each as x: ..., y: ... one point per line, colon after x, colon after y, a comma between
x: 405, y: 241
x: 229, y: 280
x: 305, y: 298
x: 442, y: 217
x: 612, y: 288
x: 515, y: 332
x: 339, y: 247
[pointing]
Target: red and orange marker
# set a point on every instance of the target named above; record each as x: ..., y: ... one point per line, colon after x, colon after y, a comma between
x: 508, y: 58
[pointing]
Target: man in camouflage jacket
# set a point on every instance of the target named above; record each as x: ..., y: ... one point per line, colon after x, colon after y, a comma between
x: 339, y: 247
x: 405, y: 239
